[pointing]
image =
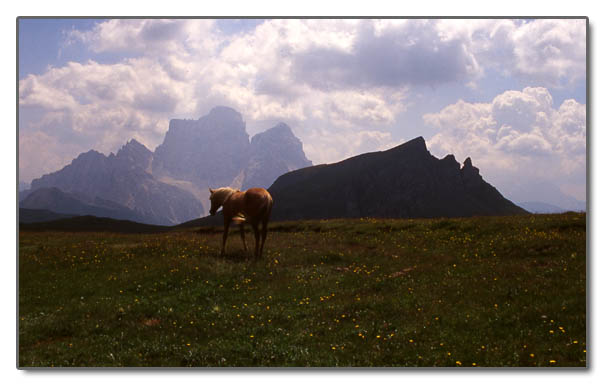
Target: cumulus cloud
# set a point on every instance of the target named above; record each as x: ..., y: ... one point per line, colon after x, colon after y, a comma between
x: 551, y: 51
x: 326, y: 146
x: 100, y: 106
x: 333, y: 78
x: 387, y: 55
x: 547, y: 52
x: 518, y: 135
x: 145, y: 36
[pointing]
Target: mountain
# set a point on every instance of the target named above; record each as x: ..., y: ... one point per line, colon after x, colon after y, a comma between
x: 273, y: 153
x: 540, y: 207
x: 170, y: 185
x: 209, y: 151
x: 57, y: 201
x: 123, y: 179
x: 92, y: 224
x: 540, y: 194
x: 28, y: 216
x: 215, y: 150
x: 402, y: 182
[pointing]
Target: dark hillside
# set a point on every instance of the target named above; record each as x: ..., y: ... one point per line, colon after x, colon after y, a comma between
x: 403, y: 182
x: 93, y: 224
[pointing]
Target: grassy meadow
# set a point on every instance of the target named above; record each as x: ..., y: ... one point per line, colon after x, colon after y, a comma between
x: 484, y: 291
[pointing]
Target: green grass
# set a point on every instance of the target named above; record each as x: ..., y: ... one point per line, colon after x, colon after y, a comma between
x: 492, y: 291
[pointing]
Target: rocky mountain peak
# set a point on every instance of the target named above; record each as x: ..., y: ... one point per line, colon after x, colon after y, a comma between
x: 273, y: 152
x: 416, y: 146
x: 133, y: 145
x: 470, y: 175
x: 216, y: 150
x: 89, y: 156
x: 210, y: 150
x: 135, y: 155
x: 281, y: 134
x: 225, y: 114
x: 170, y: 185
x: 450, y: 159
x: 468, y: 167
x: 281, y: 129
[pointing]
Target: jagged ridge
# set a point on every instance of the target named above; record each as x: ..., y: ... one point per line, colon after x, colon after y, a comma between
x: 402, y: 182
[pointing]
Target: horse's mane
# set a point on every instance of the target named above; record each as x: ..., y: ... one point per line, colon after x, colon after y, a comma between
x: 221, y: 194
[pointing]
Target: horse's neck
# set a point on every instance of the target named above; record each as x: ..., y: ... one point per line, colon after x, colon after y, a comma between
x: 226, y: 193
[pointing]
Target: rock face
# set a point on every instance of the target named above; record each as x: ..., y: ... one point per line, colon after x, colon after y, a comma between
x: 170, y: 186
x: 403, y: 182
x: 123, y: 179
x: 216, y: 151
x: 273, y: 153
x: 209, y: 151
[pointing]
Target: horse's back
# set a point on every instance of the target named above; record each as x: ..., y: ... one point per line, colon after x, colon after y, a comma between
x: 257, y: 201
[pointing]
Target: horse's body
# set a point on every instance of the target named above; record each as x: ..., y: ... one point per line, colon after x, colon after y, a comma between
x: 252, y: 206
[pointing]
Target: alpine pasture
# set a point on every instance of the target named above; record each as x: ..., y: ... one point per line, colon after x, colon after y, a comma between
x: 480, y: 291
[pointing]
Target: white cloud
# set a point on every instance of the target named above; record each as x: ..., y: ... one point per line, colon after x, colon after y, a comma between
x: 519, y: 134
x: 551, y: 51
x: 101, y: 106
x: 50, y: 154
x: 387, y: 54
x: 328, y: 146
x: 149, y: 36
x: 348, y: 76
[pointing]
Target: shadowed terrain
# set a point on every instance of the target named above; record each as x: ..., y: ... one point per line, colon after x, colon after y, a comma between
x: 479, y: 291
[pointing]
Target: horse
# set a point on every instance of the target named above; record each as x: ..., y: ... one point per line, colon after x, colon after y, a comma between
x: 253, y: 206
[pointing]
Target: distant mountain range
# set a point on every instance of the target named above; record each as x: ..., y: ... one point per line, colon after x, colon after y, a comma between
x: 28, y: 216
x: 86, y: 224
x: 541, y: 207
x: 54, y: 203
x: 403, y: 182
x: 169, y: 186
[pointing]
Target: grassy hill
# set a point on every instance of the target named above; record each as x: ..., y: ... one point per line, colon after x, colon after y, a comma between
x: 480, y: 291
x: 28, y: 216
x: 92, y: 224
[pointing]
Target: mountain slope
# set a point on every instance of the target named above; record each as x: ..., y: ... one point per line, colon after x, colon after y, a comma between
x: 57, y: 201
x: 124, y: 180
x: 405, y: 181
x: 273, y: 153
x: 540, y: 207
x: 215, y: 150
x: 92, y: 224
x: 209, y: 151
x: 28, y: 216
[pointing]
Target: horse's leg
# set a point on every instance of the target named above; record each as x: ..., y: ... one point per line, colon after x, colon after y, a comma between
x: 264, y: 236
x: 225, y: 233
x: 256, y: 237
x: 243, y: 234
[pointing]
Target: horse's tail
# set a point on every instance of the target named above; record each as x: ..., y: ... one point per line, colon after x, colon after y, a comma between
x: 238, y: 219
x: 267, y: 206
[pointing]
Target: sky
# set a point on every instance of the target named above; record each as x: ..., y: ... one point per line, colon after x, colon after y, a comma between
x: 510, y: 94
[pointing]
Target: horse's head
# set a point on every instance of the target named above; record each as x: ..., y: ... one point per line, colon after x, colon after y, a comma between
x: 218, y: 198
x: 215, y: 203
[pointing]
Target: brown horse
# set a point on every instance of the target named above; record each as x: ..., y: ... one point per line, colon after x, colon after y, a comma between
x: 252, y: 206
